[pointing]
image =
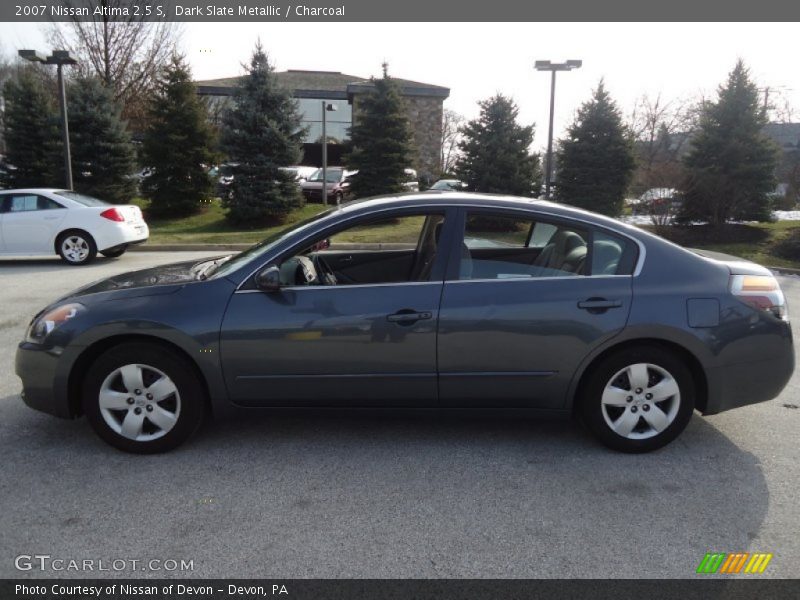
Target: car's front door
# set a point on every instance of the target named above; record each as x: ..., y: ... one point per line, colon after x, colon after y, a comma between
x: 367, y: 340
x: 530, y: 299
x: 29, y: 223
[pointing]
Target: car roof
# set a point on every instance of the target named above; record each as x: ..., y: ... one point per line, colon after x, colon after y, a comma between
x: 467, y: 199
x: 34, y: 191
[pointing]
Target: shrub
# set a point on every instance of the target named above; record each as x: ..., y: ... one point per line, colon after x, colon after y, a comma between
x: 788, y: 247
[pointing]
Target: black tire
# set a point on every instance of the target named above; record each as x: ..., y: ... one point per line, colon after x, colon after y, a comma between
x: 189, y: 397
x: 637, y: 407
x: 76, y: 237
x: 339, y: 198
x: 114, y: 253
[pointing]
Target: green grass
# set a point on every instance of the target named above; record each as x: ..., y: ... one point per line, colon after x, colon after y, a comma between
x: 210, y: 227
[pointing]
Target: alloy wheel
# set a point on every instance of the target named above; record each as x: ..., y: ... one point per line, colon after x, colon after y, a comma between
x: 75, y: 249
x: 139, y: 402
x: 640, y: 401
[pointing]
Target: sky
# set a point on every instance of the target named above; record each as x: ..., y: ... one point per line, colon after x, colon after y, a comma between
x: 477, y: 60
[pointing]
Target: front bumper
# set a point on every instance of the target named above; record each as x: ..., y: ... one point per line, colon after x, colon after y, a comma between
x: 43, y: 388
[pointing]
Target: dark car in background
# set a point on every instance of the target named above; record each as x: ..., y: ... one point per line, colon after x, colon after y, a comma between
x: 447, y: 302
x: 337, y: 188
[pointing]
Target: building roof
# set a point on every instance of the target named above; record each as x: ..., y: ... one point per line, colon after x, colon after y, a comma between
x: 321, y: 84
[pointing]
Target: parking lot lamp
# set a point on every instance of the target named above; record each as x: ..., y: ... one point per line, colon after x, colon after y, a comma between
x: 326, y: 108
x: 546, y: 65
x: 58, y: 58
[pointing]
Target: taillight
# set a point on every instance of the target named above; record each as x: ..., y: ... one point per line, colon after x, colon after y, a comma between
x: 112, y: 214
x: 762, y: 292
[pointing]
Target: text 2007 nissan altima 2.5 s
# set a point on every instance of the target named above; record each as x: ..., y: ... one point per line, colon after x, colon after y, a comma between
x: 442, y: 301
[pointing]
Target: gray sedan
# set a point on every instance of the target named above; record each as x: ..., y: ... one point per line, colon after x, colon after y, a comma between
x: 446, y: 302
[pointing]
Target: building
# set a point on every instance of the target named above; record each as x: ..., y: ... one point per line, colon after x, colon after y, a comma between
x: 313, y: 88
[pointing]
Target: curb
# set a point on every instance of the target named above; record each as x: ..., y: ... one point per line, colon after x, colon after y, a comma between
x: 187, y: 247
x: 238, y: 247
x: 784, y: 270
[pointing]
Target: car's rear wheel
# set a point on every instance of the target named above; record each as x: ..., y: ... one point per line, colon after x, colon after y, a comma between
x: 141, y: 398
x: 76, y: 247
x: 638, y: 399
x: 114, y: 253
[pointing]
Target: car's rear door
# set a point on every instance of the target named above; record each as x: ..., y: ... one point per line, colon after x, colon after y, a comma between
x: 512, y: 332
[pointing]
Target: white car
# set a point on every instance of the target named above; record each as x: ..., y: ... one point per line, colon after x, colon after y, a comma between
x: 411, y: 184
x: 43, y: 221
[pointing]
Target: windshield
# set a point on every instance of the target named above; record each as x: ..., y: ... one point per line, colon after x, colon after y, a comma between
x: 254, y: 252
x: 81, y: 199
x: 332, y: 176
x: 445, y: 184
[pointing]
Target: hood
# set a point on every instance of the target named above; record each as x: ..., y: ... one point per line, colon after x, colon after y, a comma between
x: 145, y: 279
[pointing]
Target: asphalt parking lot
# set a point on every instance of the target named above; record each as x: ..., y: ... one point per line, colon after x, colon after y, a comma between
x: 388, y: 497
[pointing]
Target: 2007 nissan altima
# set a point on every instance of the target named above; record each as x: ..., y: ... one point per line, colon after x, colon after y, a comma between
x: 443, y: 301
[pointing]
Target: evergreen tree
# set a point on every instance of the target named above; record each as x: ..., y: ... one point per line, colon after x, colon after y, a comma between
x: 32, y: 133
x: 731, y: 165
x: 595, y: 161
x: 261, y: 133
x: 103, y: 157
x: 178, y: 144
x: 381, y: 140
x: 495, y: 151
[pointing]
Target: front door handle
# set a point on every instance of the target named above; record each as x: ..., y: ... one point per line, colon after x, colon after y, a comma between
x: 598, y: 305
x: 408, y: 317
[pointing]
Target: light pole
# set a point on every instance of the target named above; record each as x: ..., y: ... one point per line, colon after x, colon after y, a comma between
x: 546, y: 65
x: 58, y: 58
x: 326, y: 107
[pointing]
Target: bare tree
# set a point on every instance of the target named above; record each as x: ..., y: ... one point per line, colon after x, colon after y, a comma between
x: 5, y: 74
x: 125, y: 54
x: 778, y: 104
x: 451, y: 135
x: 661, y: 129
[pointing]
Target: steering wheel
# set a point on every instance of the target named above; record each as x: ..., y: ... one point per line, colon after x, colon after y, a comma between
x: 325, y: 273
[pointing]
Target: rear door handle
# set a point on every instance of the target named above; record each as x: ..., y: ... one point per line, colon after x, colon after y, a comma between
x: 407, y: 317
x: 598, y: 304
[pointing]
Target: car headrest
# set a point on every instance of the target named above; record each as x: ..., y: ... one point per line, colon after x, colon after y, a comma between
x: 606, y: 256
x: 573, y: 261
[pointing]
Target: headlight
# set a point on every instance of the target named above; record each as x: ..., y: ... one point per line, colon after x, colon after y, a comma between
x: 40, y: 328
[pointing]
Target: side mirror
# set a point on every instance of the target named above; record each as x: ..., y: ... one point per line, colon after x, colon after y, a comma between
x: 269, y: 279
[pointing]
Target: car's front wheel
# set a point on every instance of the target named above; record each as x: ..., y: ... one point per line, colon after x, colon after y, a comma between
x: 638, y: 399
x: 141, y: 398
x: 76, y: 247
